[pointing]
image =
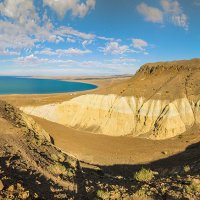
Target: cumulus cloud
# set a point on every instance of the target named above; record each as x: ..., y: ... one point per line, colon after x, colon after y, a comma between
x: 151, y: 14
x: 139, y: 44
x: 115, y: 48
x: 22, y: 28
x: 75, y: 6
x: 14, y: 36
x: 20, y: 10
x: 169, y: 9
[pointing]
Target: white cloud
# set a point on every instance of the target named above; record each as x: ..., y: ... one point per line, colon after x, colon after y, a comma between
x: 66, y: 31
x: 72, y: 51
x: 46, y: 51
x: 78, y: 8
x: 20, y: 10
x: 180, y: 20
x: 125, y: 61
x: 26, y: 36
x: 33, y: 65
x: 71, y: 40
x: 14, y: 36
x: 8, y: 52
x: 23, y: 30
x: 171, y: 6
x: 86, y: 42
x: 151, y: 14
x: 64, y: 52
x: 170, y: 9
x: 115, y: 48
x: 174, y: 10
x: 105, y: 38
x: 31, y: 60
x: 139, y: 44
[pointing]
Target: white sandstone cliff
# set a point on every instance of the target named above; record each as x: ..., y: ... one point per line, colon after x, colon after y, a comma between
x: 118, y: 116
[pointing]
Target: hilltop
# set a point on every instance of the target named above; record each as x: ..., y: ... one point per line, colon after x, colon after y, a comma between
x: 161, y: 80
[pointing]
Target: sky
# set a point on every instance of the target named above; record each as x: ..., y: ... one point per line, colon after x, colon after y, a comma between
x: 95, y: 37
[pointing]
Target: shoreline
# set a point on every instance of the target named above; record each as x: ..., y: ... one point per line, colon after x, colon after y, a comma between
x: 99, y: 81
x: 19, y: 100
x: 54, y: 93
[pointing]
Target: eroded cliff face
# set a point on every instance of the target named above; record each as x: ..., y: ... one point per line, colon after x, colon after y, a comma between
x: 118, y: 116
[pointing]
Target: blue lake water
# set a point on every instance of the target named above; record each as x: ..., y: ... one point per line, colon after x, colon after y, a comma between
x: 26, y: 85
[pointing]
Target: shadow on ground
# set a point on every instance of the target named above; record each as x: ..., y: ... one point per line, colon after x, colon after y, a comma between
x: 107, y: 177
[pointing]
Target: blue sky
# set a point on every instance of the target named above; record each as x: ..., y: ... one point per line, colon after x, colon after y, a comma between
x: 95, y: 37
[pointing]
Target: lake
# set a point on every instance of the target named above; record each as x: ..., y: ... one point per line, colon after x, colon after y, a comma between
x: 27, y: 85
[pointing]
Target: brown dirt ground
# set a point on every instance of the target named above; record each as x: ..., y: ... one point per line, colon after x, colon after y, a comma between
x: 107, y: 150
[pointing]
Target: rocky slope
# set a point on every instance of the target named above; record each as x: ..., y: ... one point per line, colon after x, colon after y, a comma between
x: 31, y: 167
x: 161, y: 101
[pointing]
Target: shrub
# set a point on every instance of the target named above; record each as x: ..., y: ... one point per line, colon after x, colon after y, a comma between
x: 102, y: 194
x: 193, y: 188
x: 140, y: 193
x: 144, y: 175
x: 57, y: 169
x: 186, y: 168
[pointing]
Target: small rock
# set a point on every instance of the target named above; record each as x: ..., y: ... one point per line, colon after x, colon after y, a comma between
x: 164, y: 152
x: 1, y: 185
x: 38, y: 182
x: 36, y: 195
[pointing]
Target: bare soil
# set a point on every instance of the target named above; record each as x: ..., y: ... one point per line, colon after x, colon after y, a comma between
x: 108, y: 150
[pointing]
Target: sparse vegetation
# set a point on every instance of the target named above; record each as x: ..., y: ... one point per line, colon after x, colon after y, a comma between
x: 186, y: 168
x: 57, y: 169
x: 193, y: 188
x: 144, y: 175
x: 103, y: 194
x: 54, y: 157
x: 70, y: 172
x: 140, y: 193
